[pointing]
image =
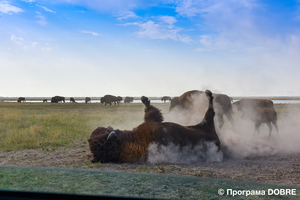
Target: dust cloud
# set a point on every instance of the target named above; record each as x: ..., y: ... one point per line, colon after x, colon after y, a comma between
x: 239, y: 143
x: 207, y: 152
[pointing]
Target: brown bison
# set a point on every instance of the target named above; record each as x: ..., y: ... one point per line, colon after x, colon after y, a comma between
x: 108, y: 99
x: 57, y: 99
x: 87, y: 99
x: 222, y: 103
x: 72, y: 100
x: 45, y: 100
x: 20, y: 99
x: 166, y: 98
x: 259, y: 111
x: 113, y: 145
x: 244, y: 105
x: 119, y: 99
x: 128, y: 99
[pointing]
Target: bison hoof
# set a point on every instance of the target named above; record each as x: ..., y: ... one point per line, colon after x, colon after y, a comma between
x: 208, y: 93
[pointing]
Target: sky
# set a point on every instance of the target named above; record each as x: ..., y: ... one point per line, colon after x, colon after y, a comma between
x: 154, y: 48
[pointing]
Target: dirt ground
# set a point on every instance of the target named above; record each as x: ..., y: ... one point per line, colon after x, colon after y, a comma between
x: 278, y: 169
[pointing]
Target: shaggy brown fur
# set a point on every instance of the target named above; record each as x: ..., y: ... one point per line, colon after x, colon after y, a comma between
x: 185, y: 101
x: 109, y: 145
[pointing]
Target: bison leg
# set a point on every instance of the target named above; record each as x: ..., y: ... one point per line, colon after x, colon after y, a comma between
x: 257, y: 125
x: 229, y: 117
x: 220, y: 119
x: 275, y: 124
x: 270, y: 128
x: 210, y: 113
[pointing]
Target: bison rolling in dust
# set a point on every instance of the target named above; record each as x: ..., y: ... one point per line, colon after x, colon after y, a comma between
x: 113, y: 145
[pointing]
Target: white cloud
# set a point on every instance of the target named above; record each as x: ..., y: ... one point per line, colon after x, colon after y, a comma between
x: 42, y: 20
x: 46, y: 9
x: 93, y: 33
x: 21, y: 41
x: 236, y: 25
x: 168, y: 19
x: 17, y: 40
x: 152, y: 30
x: 126, y: 15
x: 191, y: 8
x: 33, y: 44
x: 5, y: 7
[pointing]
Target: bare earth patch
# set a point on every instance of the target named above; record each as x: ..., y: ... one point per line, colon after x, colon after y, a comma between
x: 280, y: 169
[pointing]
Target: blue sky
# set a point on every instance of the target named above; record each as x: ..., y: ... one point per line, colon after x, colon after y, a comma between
x: 153, y: 48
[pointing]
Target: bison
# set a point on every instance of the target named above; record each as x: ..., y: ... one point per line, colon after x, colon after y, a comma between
x: 45, y: 100
x: 87, y: 99
x: 119, y: 99
x: 57, y: 99
x: 128, y: 99
x: 166, y: 98
x: 259, y: 111
x: 244, y: 105
x: 222, y: 104
x: 129, y: 146
x: 108, y: 99
x: 72, y: 100
x: 20, y: 99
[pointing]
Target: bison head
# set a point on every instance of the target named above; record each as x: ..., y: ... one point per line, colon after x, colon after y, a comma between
x: 106, y: 146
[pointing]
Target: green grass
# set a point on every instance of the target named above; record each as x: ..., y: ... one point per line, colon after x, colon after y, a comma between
x: 140, y: 185
x: 32, y: 125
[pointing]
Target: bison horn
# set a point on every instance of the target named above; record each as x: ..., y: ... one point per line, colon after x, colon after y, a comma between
x: 111, y: 134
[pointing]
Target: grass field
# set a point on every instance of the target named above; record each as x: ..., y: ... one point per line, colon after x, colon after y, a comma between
x: 49, y: 126
x: 33, y: 125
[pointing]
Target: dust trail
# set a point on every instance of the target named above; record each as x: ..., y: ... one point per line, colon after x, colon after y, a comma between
x: 206, y: 152
x: 245, y: 142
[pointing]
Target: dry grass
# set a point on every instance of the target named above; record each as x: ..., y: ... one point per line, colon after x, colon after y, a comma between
x: 33, y: 125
